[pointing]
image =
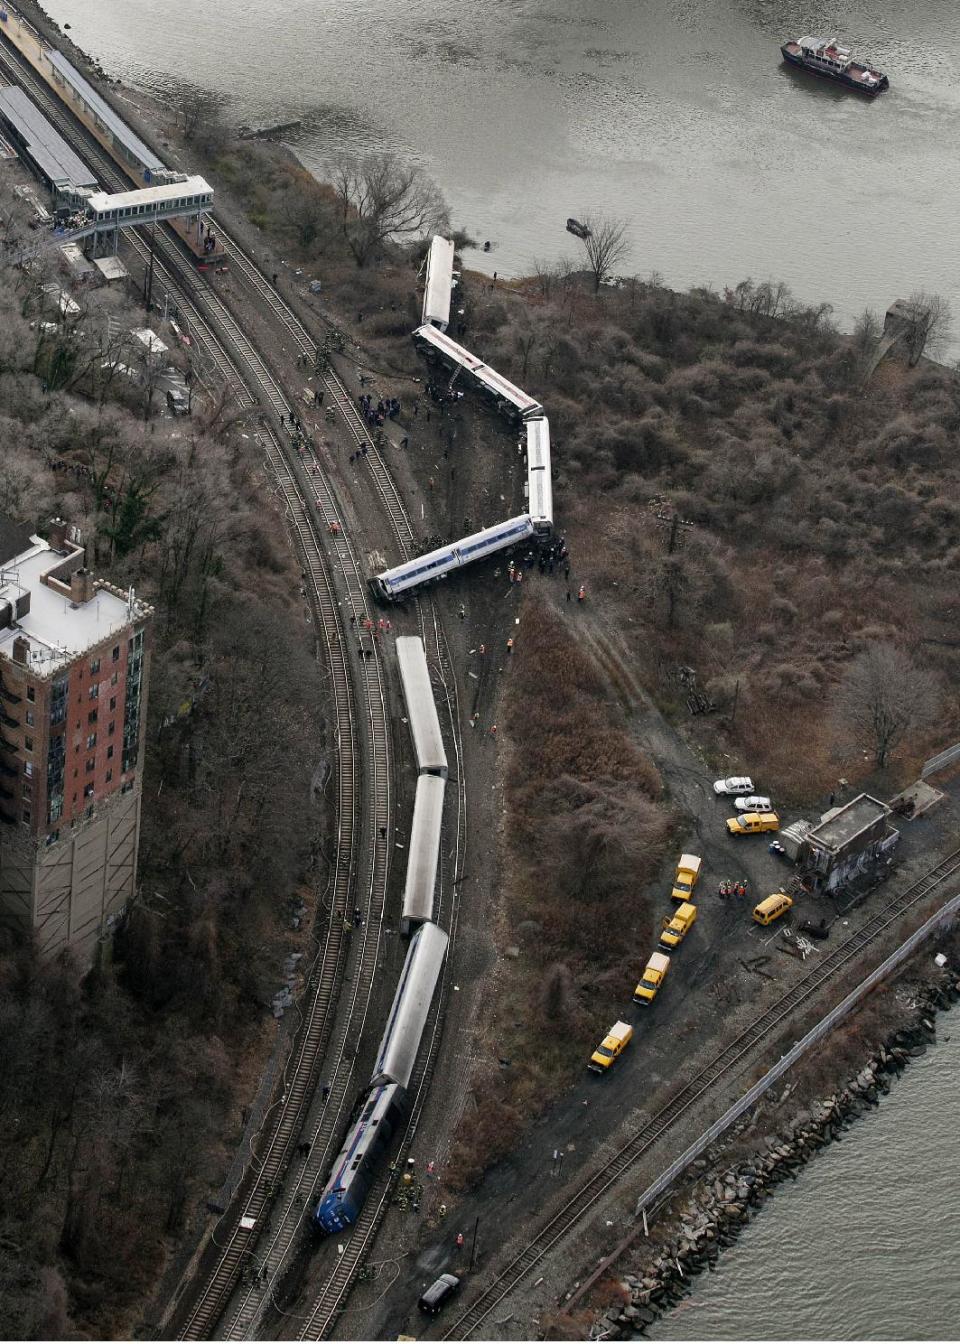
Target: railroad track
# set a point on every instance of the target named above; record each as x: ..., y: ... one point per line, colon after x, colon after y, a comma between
x: 330, y: 1301
x: 580, y: 1204
x: 211, y: 321
x: 311, y: 508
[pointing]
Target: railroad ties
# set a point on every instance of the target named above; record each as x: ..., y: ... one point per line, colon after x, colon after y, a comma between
x: 586, y: 1197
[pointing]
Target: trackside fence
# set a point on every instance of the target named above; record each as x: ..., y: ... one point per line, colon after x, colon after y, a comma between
x: 944, y: 916
x: 949, y: 757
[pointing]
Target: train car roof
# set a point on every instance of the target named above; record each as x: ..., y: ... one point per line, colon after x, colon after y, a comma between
x: 117, y: 127
x: 45, y: 145
x: 438, y: 286
x: 421, y: 705
x: 411, y: 1004
x: 504, y: 388
x: 424, y: 852
x: 441, y: 341
x: 167, y: 191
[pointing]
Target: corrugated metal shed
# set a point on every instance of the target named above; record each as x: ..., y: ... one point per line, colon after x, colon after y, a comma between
x: 44, y: 146
x: 104, y: 113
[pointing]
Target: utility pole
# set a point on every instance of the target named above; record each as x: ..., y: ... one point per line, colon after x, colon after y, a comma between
x: 736, y: 700
x: 149, y: 284
x: 473, y: 1248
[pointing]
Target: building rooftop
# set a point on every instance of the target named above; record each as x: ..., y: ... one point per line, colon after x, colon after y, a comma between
x: 48, y: 149
x: 57, y: 629
x: 115, y: 124
x: 847, y: 822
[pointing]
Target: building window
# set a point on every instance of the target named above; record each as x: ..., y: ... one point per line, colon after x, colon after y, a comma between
x: 95, y: 667
x: 88, y: 791
x: 127, y: 786
x: 28, y: 717
x: 110, y: 730
x: 26, y: 814
x: 31, y: 693
x: 115, y: 678
x: 28, y: 769
x: 116, y: 653
x: 28, y: 744
x: 94, y: 693
x: 109, y: 753
x: 92, y: 716
x: 109, y: 776
x: 91, y: 741
x: 113, y: 702
x: 91, y: 766
x: 53, y: 837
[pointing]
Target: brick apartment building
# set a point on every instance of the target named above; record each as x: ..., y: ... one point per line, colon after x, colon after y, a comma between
x: 73, y: 686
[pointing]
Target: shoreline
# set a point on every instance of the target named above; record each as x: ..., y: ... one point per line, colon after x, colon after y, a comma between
x: 721, y: 1194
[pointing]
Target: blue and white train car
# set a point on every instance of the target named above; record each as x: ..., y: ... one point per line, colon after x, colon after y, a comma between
x: 539, y: 480
x: 355, y: 1169
x: 421, y: 706
x: 506, y: 396
x: 438, y: 284
x: 394, y: 584
x: 411, y: 1004
x: 437, y: 345
x: 423, y: 858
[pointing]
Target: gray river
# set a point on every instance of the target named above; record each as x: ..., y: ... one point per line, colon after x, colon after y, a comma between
x: 677, y: 115
x: 864, y: 1244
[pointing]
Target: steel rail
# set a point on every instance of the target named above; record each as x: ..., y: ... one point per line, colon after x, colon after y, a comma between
x: 328, y: 1304
x: 585, y: 1198
x: 205, y: 311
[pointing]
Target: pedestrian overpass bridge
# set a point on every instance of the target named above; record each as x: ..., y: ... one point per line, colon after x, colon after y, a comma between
x: 108, y: 212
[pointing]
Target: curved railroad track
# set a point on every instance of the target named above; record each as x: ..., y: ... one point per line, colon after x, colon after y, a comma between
x: 584, y: 1200
x: 312, y: 511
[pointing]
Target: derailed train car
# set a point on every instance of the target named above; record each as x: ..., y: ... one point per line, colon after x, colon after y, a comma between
x: 442, y: 348
x: 421, y: 706
x: 395, y: 584
x: 424, y: 853
x: 383, y: 1104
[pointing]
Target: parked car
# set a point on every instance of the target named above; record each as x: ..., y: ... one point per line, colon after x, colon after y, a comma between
x: 652, y: 978
x: 735, y: 784
x: 675, y: 928
x: 755, y: 802
x: 611, y: 1047
x: 773, y: 907
x: 438, y: 1294
x: 685, y: 879
x: 752, y: 823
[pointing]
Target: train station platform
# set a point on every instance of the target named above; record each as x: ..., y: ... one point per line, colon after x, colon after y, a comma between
x: 40, y: 144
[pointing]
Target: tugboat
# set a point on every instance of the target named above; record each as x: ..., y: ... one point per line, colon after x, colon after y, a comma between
x: 579, y: 230
x: 825, y: 56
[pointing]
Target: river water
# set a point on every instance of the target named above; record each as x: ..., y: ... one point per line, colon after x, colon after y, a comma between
x: 864, y: 1244
x: 677, y: 115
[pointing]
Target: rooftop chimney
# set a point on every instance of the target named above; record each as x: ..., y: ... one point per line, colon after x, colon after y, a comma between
x: 81, y: 586
x: 58, y: 534
x: 21, y: 648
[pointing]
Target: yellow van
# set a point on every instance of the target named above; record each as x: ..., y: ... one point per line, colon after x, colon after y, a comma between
x: 653, y: 977
x: 773, y: 907
x: 675, y: 929
x: 611, y: 1047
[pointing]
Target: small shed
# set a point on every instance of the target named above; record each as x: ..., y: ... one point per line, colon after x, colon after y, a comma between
x: 150, y: 344
x: 851, y: 841
x: 111, y: 268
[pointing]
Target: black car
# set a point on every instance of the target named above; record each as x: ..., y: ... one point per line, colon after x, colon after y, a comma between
x: 438, y: 1294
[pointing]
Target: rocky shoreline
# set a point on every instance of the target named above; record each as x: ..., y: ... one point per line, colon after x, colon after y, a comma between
x: 725, y: 1198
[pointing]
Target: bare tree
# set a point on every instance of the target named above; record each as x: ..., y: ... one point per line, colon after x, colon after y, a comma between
x: 929, y: 325
x: 380, y: 197
x: 201, y: 113
x: 883, y: 698
x: 605, y: 246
